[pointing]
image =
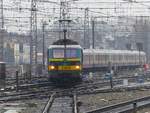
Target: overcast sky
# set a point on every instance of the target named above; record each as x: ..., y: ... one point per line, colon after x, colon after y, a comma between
x: 17, y: 12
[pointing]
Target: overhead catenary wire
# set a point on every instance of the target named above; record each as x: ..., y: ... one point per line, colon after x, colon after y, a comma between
x: 93, y: 11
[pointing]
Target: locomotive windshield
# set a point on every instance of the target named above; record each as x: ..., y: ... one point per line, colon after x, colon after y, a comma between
x: 70, y: 53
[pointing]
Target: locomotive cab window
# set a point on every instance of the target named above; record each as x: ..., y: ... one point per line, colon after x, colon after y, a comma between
x: 70, y: 53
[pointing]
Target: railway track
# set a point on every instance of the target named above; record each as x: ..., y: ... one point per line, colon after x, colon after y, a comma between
x: 32, y: 90
x: 66, y: 97
x: 24, y: 96
x: 26, y: 86
x: 131, y: 106
x: 91, y: 88
x: 48, y: 85
x: 49, y: 103
x: 61, y: 104
x: 43, y: 84
x: 102, y: 82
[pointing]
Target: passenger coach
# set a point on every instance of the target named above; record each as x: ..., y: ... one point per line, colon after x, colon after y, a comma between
x: 100, y: 58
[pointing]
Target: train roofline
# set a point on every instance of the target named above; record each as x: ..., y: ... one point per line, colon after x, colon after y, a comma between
x: 62, y: 46
x: 112, y: 51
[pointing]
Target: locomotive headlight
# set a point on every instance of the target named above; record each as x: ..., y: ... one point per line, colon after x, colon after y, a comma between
x: 77, y: 67
x: 51, y: 67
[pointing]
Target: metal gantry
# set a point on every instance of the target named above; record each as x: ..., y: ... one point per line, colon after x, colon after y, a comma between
x: 33, y: 36
x: 64, y: 15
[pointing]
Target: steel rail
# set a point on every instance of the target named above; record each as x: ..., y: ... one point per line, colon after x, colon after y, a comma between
x: 124, y: 106
x: 25, y: 95
x: 91, y: 88
x: 26, y: 86
x: 19, y: 97
x: 82, y: 90
x: 49, y: 103
x: 75, y: 108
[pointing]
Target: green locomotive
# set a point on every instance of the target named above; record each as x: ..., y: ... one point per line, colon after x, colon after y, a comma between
x: 65, y: 60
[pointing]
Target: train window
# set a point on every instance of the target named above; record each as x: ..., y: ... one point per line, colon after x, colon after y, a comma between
x: 126, y: 59
x: 113, y: 58
x: 58, y: 53
x: 90, y: 59
x: 86, y: 59
x: 102, y: 58
x: 130, y: 58
x: 70, y: 53
x: 116, y: 58
x: 107, y: 59
x: 120, y: 57
x: 96, y: 59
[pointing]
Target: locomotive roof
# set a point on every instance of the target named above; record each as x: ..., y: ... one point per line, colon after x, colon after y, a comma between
x: 112, y: 51
x: 65, y: 41
x: 62, y: 46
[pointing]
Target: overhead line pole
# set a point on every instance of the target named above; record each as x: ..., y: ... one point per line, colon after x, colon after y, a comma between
x: 93, y: 34
x: 86, y: 25
x: 2, y: 30
x: 60, y: 17
x: 43, y: 27
x: 35, y: 31
x: 31, y: 41
x: 33, y: 37
x: 2, y: 15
